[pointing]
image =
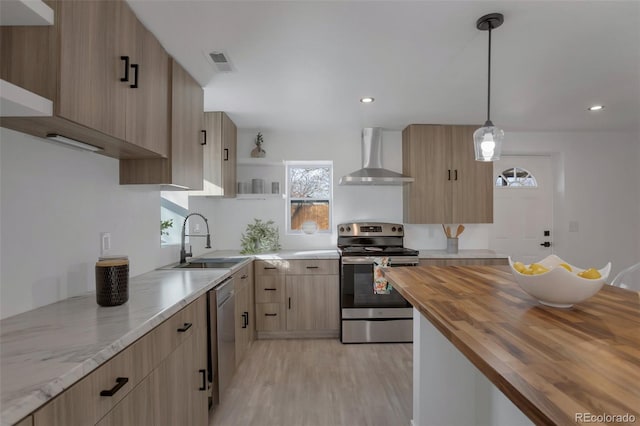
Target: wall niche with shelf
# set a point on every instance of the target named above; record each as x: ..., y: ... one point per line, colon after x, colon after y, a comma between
x: 260, y: 178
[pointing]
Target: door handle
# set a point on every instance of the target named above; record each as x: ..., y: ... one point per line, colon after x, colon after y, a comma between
x: 270, y: 289
x: 449, y: 174
x: 204, y: 380
x: 126, y: 68
x: 456, y: 174
x: 120, y: 382
x: 185, y: 327
x: 135, y: 76
x: 270, y: 315
x: 546, y: 244
x: 312, y: 267
x: 244, y: 277
x: 289, y: 303
x: 270, y: 267
x: 244, y: 320
x: 226, y: 154
x: 204, y: 141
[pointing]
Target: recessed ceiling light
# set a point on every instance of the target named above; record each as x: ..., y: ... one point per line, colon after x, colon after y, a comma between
x: 367, y: 100
x: 596, y: 108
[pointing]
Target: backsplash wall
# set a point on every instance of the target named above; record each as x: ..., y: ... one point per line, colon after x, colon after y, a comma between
x: 55, y: 202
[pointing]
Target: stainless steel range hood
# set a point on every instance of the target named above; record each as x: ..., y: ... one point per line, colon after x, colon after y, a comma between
x: 372, y: 172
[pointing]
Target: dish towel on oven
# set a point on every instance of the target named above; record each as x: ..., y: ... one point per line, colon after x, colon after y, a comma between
x: 380, y: 283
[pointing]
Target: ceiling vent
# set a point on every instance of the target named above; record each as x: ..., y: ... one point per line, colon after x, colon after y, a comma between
x: 221, y: 62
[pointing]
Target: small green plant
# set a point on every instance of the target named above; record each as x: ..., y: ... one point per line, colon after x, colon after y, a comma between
x: 164, y: 225
x: 260, y: 237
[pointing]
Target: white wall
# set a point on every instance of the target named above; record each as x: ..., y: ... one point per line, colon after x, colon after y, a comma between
x: 54, y: 203
x: 596, y: 186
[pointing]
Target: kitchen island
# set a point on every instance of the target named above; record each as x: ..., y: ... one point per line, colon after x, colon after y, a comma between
x: 557, y: 366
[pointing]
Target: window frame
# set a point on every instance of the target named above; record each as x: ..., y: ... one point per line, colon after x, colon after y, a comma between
x: 310, y: 165
x: 509, y: 184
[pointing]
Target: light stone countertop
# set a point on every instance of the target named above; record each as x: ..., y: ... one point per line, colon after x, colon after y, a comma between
x: 45, y: 350
x: 462, y: 254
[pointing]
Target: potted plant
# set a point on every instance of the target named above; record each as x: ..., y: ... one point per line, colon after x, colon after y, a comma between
x: 260, y: 237
x: 258, y: 152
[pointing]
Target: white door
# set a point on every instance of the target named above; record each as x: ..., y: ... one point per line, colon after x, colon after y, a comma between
x: 522, y: 207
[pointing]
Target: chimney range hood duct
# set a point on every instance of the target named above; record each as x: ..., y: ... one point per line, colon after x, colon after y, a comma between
x: 372, y: 172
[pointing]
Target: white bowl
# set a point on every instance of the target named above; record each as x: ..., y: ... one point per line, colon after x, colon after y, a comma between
x: 559, y: 287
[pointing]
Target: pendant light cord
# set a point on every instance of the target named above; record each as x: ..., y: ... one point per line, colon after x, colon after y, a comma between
x: 489, y: 77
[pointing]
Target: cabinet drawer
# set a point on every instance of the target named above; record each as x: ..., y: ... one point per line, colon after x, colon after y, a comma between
x: 174, y: 331
x: 83, y: 404
x: 269, y: 317
x: 313, y: 267
x: 270, y: 289
x: 270, y: 267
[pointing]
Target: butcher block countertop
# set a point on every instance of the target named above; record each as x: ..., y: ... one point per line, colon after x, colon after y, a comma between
x: 551, y: 363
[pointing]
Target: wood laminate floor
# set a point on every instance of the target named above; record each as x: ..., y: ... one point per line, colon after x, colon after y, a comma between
x: 320, y: 383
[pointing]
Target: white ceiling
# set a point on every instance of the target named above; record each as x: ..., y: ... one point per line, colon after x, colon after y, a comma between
x: 305, y: 64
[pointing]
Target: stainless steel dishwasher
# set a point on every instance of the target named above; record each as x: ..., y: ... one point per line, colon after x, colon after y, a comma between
x: 222, y: 341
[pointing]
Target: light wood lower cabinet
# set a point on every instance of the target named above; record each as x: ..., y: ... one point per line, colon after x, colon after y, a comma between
x: 297, y: 298
x: 312, y: 302
x: 27, y: 421
x: 158, y: 380
x: 245, y: 323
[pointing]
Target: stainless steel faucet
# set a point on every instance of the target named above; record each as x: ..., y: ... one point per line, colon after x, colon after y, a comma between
x: 183, y: 252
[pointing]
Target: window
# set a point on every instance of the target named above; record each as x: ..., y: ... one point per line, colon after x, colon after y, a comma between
x: 516, y: 177
x: 309, y: 196
x: 174, y: 207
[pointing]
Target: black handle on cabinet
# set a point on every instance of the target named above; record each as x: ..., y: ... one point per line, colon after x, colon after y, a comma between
x: 247, y: 314
x: 456, y: 174
x: 244, y: 320
x: 270, y: 315
x: 312, y: 267
x: 244, y: 277
x: 270, y: 289
x: 135, y: 67
x: 185, y: 327
x: 289, y: 303
x: 270, y: 267
x: 449, y: 174
x: 204, y: 380
x: 120, y: 382
x: 546, y: 244
x: 226, y: 154
x: 126, y: 68
x: 204, y: 141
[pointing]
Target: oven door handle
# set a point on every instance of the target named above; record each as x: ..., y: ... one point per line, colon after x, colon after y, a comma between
x: 357, y: 260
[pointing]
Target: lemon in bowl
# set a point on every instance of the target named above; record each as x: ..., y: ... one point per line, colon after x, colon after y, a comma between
x: 554, y: 282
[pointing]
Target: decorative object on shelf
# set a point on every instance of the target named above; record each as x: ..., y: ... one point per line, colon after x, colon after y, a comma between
x: 164, y: 225
x: 257, y: 186
x: 260, y: 237
x: 487, y: 140
x: 258, y: 152
x: 275, y: 187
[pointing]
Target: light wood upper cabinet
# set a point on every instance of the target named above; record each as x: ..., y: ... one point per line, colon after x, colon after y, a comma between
x: 219, y: 156
x: 450, y: 186
x: 183, y: 168
x: 78, y: 64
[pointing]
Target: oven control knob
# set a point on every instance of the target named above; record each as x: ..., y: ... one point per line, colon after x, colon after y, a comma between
x: 342, y: 229
x: 393, y: 229
x: 400, y: 229
x: 348, y: 229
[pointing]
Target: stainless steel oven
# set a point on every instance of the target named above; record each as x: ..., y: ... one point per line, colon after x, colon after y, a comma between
x: 368, y: 316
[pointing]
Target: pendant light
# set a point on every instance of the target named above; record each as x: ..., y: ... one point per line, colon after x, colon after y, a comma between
x: 487, y: 140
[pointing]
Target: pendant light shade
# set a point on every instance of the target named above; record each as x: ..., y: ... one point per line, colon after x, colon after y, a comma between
x: 487, y: 140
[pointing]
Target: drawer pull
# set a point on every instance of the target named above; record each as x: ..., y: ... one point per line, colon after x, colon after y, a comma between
x: 312, y: 267
x: 204, y: 140
x: 245, y: 319
x: 135, y: 76
x: 270, y: 315
x: 270, y: 289
x: 185, y: 327
x: 204, y: 380
x: 126, y: 68
x: 120, y: 382
x: 289, y: 303
x: 244, y: 277
x: 270, y: 267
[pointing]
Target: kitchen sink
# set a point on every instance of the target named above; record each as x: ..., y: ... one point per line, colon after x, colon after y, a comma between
x: 210, y: 263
